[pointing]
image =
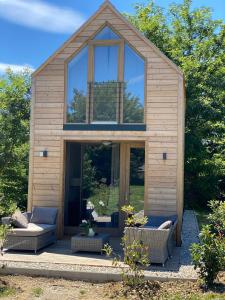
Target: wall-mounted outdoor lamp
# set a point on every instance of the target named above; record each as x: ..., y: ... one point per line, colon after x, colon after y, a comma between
x: 164, y: 156
x: 43, y: 153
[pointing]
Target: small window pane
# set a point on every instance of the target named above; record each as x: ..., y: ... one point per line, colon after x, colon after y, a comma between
x: 133, y: 107
x: 105, y: 86
x: 77, y: 87
x: 106, y: 34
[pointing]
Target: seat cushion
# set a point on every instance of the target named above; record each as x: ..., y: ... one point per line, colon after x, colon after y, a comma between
x: 44, y: 215
x: 156, y: 221
x: 19, y: 220
x: 32, y: 230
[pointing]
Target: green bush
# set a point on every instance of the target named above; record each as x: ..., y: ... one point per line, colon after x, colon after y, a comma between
x: 209, y: 256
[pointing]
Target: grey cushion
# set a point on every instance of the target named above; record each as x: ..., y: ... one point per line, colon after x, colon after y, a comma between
x: 166, y: 225
x: 44, y: 215
x: 32, y: 230
x: 19, y: 220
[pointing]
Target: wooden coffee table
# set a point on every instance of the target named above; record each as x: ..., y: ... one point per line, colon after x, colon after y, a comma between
x: 89, y: 244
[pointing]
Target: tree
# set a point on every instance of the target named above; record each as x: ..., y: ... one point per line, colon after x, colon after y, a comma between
x: 15, y: 91
x: 196, y: 43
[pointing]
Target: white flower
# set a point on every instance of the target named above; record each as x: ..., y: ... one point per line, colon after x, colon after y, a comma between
x: 101, y: 203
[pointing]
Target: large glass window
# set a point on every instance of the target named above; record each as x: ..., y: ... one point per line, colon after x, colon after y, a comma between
x: 105, y: 82
x: 77, y: 87
x: 133, y: 107
x: 105, y: 91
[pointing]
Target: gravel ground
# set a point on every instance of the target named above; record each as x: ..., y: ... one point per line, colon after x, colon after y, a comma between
x: 179, y: 267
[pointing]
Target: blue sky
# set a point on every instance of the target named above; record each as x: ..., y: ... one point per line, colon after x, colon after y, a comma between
x: 31, y: 30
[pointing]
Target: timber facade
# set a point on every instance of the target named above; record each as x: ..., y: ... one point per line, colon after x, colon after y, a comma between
x: 60, y: 147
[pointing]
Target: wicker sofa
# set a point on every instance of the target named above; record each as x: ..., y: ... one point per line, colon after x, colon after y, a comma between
x: 37, y: 235
x: 160, y: 242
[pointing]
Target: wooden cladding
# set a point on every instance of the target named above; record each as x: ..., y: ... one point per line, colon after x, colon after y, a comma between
x: 163, y: 131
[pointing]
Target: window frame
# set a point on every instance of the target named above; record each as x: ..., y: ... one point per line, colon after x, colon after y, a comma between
x: 91, y: 44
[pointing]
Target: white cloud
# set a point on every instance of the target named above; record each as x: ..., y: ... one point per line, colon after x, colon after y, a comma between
x: 136, y: 79
x: 14, y: 68
x: 41, y: 15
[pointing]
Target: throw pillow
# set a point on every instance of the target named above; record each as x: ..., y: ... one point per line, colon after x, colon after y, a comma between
x: 165, y: 225
x: 19, y: 220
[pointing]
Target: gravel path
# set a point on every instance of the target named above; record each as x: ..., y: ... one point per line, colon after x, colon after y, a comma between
x: 179, y: 267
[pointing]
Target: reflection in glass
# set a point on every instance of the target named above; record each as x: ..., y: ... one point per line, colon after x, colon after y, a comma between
x: 105, y: 86
x: 133, y: 106
x: 106, y: 34
x: 100, y: 189
x: 77, y: 87
x: 137, y: 168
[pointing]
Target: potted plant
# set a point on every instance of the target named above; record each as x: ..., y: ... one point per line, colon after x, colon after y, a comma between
x: 87, y: 228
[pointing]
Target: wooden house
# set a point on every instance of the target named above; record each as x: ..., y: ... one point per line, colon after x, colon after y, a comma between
x: 107, y: 127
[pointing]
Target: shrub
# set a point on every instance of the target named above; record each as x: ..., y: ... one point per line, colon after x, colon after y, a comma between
x: 209, y: 256
x: 135, y: 253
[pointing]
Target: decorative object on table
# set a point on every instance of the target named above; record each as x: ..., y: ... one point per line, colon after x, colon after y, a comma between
x: 87, y: 228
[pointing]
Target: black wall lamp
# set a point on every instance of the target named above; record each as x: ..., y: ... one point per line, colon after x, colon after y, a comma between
x: 164, y: 156
x: 43, y: 153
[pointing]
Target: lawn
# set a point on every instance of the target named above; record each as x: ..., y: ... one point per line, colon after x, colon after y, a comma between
x: 24, y: 288
x: 201, y: 215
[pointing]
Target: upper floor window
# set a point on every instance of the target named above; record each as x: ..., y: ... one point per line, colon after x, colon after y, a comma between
x: 106, y: 34
x: 77, y: 72
x: 105, y: 82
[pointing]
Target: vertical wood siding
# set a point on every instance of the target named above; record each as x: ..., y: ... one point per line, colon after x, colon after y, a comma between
x: 164, y: 120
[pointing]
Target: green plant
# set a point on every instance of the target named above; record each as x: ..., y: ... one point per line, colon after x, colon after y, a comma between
x: 135, y: 259
x: 135, y: 254
x: 4, y: 230
x: 133, y: 219
x: 38, y: 291
x: 209, y: 256
x: 15, y: 95
x: 6, y: 291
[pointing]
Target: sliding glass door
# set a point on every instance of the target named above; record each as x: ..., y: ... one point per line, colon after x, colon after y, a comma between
x: 100, y: 179
x: 100, y: 183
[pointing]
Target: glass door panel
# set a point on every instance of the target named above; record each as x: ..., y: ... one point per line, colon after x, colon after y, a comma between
x: 100, y: 184
x: 136, y: 178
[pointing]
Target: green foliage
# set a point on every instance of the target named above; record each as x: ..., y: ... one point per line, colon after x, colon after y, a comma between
x: 209, y: 255
x: 4, y: 230
x: 37, y: 292
x: 195, y: 42
x: 14, y: 136
x: 135, y: 259
x: 6, y: 291
x: 217, y: 217
x: 133, y: 219
x: 135, y: 254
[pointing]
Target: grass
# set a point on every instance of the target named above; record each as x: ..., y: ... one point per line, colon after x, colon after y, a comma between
x: 6, y: 291
x: 194, y: 296
x: 110, y: 195
x: 37, y: 292
x: 201, y: 217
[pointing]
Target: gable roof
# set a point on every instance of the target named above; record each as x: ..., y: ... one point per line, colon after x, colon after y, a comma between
x: 108, y: 4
